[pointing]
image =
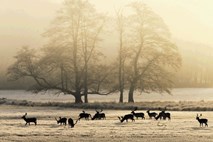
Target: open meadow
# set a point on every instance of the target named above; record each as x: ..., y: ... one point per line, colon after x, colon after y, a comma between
x: 182, y: 127
x: 84, y: 70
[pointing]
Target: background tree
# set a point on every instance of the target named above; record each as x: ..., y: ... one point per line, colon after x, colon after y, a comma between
x: 153, y: 53
x: 78, y: 27
x: 71, y: 62
x: 67, y: 60
x: 121, y: 54
x: 28, y: 65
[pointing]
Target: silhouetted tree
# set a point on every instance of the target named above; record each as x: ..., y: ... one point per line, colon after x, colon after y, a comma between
x: 66, y: 62
x: 121, y: 54
x: 28, y: 65
x: 77, y: 28
x: 153, y: 53
x: 71, y: 62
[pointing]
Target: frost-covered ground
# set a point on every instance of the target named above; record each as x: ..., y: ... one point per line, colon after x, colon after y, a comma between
x: 183, y: 127
x: 180, y: 94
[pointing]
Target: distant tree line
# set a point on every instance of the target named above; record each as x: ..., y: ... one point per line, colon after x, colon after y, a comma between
x: 72, y: 62
x: 196, y: 70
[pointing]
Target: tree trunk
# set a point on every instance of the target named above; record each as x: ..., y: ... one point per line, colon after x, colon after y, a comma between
x: 78, y: 99
x: 120, y: 20
x: 121, y: 97
x: 62, y: 76
x: 66, y: 80
x: 135, y: 76
x: 86, y: 79
x: 131, y: 93
x: 86, y: 98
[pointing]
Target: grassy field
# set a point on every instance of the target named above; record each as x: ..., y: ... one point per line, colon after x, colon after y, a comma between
x: 183, y: 126
x: 156, y: 105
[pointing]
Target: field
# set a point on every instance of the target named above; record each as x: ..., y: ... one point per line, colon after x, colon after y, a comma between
x: 178, y: 94
x: 183, y: 126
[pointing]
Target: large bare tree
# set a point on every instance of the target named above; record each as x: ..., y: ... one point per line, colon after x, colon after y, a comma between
x: 153, y: 56
x: 70, y: 61
x: 121, y: 57
x: 77, y: 28
x: 67, y: 61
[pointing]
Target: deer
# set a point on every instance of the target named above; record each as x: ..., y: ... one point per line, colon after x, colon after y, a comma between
x: 151, y: 114
x: 202, y: 121
x: 71, y: 122
x: 62, y: 121
x: 126, y: 117
x: 163, y: 115
x: 99, y: 115
x: 28, y: 120
x: 138, y: 114
x: 84, y: 115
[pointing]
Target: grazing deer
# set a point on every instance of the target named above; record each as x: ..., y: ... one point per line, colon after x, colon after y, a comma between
x: 151, y: 114
x: 167, y: 115
x: 62, y: 121
x: 84, y: 115
x: 163, y: 115
x: 28, y: 120
x: 71, y: 122
x: 202, y: 121
x: 99, y: 115
x: 126, y: 117
x: 138, y: 114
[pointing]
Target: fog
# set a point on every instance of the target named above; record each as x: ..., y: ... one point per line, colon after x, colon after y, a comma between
x: 23, y: 22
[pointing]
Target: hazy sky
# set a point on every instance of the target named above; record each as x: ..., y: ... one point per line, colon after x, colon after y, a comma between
x: 23, y: 21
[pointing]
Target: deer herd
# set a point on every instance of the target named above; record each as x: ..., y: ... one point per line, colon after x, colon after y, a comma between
x: 100, y: 115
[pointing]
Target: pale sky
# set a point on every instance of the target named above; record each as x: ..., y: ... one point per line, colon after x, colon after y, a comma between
x: 187, y: 19
x: 23, y: 21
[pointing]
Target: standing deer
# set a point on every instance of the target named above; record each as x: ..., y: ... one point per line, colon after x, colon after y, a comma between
x: 71, y: 122
x: 138, y: 114
x: 126, y: 117
x: 151, y: 114
x: 99, y: 115
x: 84, y: 115
x: 62, y: 121
x: 202, y: 121
x: 163, y: 115
x: 28, y: 120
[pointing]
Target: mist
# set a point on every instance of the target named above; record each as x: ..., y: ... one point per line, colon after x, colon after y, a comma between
x: 23, y: 23
x: 109, y: 65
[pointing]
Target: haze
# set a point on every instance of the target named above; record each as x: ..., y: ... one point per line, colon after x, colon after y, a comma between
x: 23, y: 21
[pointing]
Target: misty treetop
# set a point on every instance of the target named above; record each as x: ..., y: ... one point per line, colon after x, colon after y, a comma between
x: 73, y: 63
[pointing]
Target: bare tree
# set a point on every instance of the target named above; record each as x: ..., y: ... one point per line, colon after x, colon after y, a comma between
x: 70, y: 61
x: 78, y: 27
x: 66, y: 62
x: 121, y: 56
x: 153, y: 53
x: 28, y: 65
